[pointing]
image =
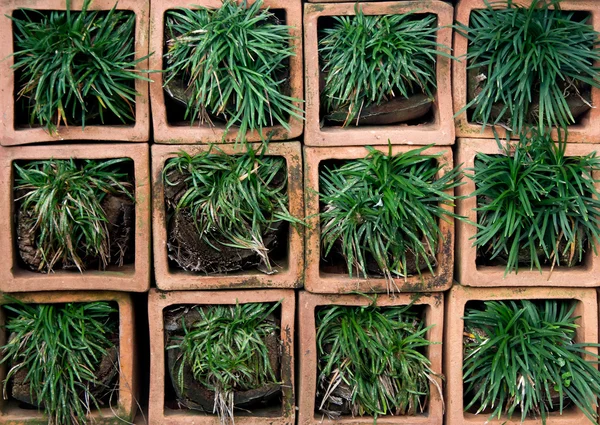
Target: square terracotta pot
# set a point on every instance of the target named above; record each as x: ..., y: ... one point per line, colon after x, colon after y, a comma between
x: 321, y: 281
x: 127, y: 401
x: 160, y: 414
x: 10, y: 134
x: 308, y: 304
x: 587, y: 131
x: 438, y: 132
x: 130, y: 277
x: 459, y: 296
x: 184, y: 133
x: 469, y: 273
x: 291, y: 272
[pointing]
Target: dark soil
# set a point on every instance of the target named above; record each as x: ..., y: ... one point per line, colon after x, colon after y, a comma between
x: 484, y: 253
x: 398, y: 110
x: 336, y: 263
x: 188, y: 251
x: 195, y: 396
x: 107, y: 376
x: 483, y: 257
x: 120, y: 212
x: 578, y: 96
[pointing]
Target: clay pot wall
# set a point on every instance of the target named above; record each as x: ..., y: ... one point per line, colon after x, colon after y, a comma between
x: 318, y: 281
x: 587, y: 131
x: 130, y: 277
x: 439, y: 132
x: 469, y: 273
x: 11, y: 135
x: 457, y: 299
x: 308, y: 303
x: 184, y: 133
x: 127, y: 401
x: 158, y: 301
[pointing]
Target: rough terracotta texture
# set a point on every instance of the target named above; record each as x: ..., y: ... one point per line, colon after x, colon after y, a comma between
x: 290, y: 275
x: 459, y: 296
x: 587, y: 131
x: 184, y: 133
x: 471, y: 274
x: 131, y: 277
x: 127, y: 400
x: 10, y: 135
x: 439, y: 132
x: 308, y: 303
x: 159, y: 414
x: 319, y: 281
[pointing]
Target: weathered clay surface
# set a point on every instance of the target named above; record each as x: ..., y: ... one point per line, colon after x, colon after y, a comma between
x: 457, y: 299
x: 10, y: 135
x: 469, y: 273
x: 161, y: 412
x: 586, y: 131
x: 127, y: 395
x: 133, y: 277
x: 439, y: 132
x: 308, y: 303
x: 321, y: 280
x: 289, y: 273
x: 169, y: 133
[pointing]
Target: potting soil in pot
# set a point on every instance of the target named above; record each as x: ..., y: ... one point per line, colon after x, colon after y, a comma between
x: 578, y: 96
x: 192, y: 393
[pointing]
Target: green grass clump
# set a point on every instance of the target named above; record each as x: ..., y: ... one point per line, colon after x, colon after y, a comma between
x: 526, y: 50
x: 522, y: 355
x: 370, y: 59
x: 61, y: 203
x: 60, y: 347
x: 233, y: 62
x: 234, y: 199
x: 378, y: 354
x: 226, y: 351
x: 74, y: 67
x: 386, y: 207
x: 535, y: 201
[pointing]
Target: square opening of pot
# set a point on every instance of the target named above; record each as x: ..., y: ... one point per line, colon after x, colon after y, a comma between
x: 22, y: 119
x: 176, y: 95
x: 418, y: 112
x: 200, y: 399
x: 582, y: 107
x: 104, y: 330
x: 190, y: 254
x: 338, y: 408
x: 118, y: 208
x: 469, y: 336
x: 334, y: 263
x: 484, y: 258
